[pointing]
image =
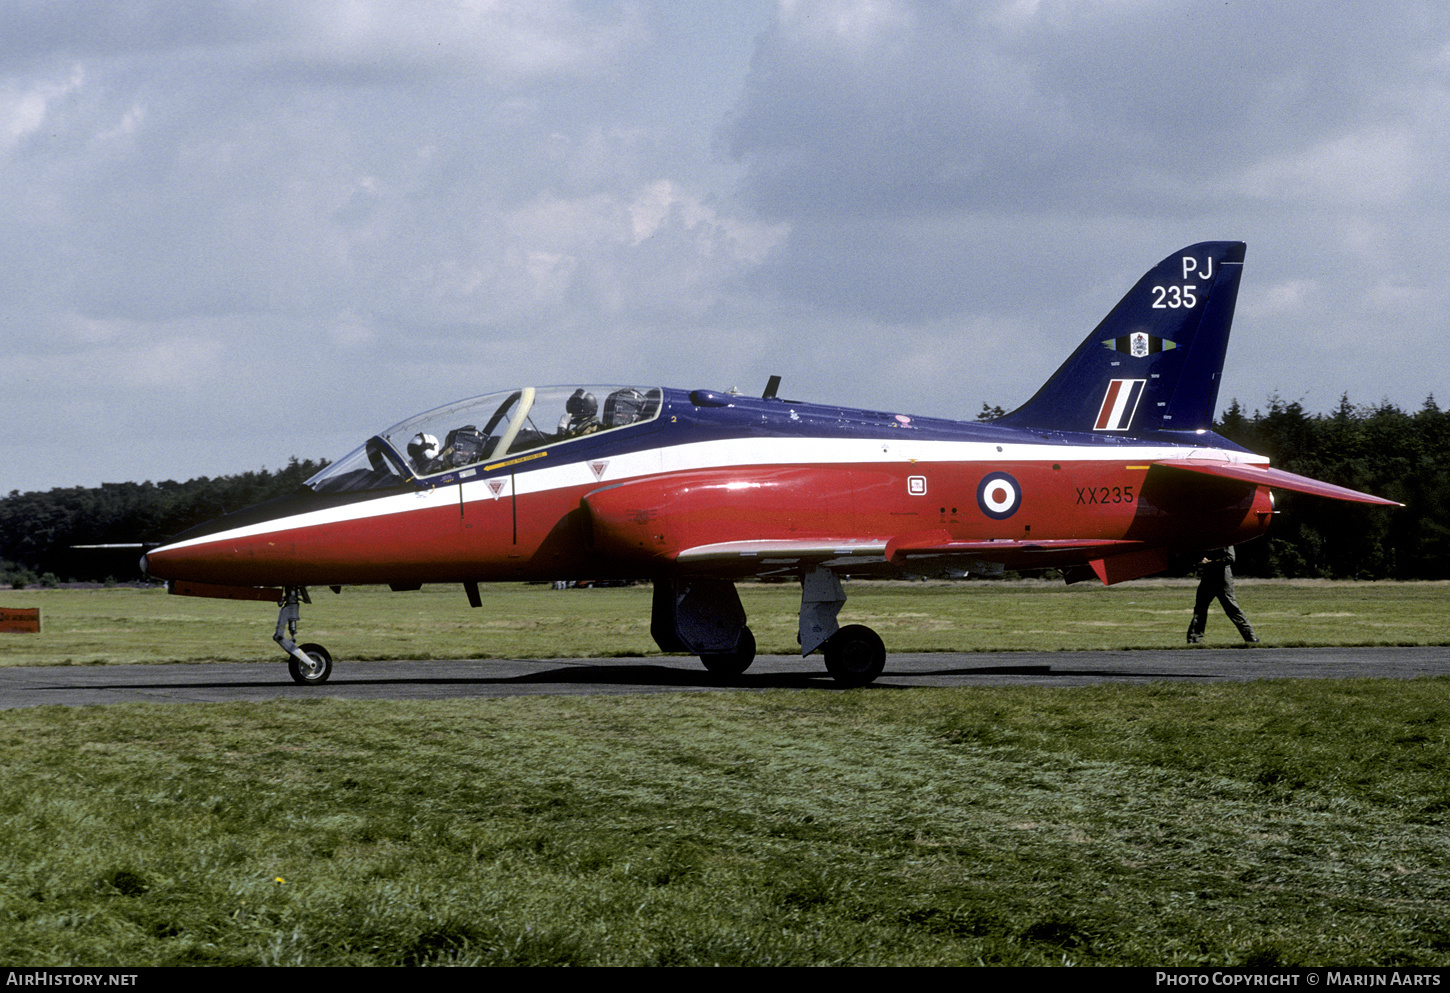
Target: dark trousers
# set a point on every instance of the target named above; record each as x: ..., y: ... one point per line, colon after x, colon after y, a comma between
x: 1217, y: 584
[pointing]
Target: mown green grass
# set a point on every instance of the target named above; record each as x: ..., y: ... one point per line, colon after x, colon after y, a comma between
x: 1276, y: 822
x: 1271, y: 823
x: 82, y: 627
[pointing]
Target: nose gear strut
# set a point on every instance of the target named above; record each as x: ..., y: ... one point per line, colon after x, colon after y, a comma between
x: 309, y: 664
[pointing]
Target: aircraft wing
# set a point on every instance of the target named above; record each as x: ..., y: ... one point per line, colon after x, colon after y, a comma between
x: 1112, y: 561
x: 1263, y: 475
x: 773, y: 552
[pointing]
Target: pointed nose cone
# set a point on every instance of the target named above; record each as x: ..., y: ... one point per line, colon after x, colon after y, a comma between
x: 163, y: 563
x: 254, y: 546
x: 177, y: 561
x: 263, y: 560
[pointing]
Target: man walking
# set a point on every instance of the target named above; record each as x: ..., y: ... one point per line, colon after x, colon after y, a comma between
x: 1216, y: 582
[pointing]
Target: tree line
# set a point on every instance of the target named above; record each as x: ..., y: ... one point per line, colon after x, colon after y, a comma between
x: 1379, y: 449
x: 39, y: 530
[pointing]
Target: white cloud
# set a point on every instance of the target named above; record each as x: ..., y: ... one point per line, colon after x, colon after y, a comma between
x: 857, y: 25
x: 1370, y: 166
x: 1287, y: 297
x: 507, y: 40
x: 26, y: 106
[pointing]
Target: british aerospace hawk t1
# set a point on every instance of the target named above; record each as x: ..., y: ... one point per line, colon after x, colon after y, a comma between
x: 1110, y: 469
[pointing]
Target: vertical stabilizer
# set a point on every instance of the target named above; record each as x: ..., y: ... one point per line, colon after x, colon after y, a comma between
x: 1154, y: 363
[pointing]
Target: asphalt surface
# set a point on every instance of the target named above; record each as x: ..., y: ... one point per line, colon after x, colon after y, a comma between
x: 77, y: 686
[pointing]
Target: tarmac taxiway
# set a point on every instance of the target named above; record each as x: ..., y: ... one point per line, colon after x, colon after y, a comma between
x: 77, y: 686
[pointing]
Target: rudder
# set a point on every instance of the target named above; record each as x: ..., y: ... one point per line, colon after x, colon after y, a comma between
x: 1155, y: 362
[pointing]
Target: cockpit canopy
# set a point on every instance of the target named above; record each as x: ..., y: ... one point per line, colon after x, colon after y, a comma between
x: 459, y: 440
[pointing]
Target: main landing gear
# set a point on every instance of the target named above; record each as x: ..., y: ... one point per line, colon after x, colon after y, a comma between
x: 854, y: 655
x: 704, y: 617
x: 734, y: 662
x: 309, y: 664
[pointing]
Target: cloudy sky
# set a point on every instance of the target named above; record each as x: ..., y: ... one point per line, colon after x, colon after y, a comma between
x: 236, y: 231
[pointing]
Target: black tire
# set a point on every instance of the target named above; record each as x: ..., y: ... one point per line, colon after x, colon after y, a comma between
x: 855, y: 655
x: 321, y: 665
x: 732, y: 663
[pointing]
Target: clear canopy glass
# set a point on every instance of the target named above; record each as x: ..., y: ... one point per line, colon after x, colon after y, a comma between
x: 458, y: 440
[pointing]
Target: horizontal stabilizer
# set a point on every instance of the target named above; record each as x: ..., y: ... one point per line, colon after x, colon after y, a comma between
x: 1263, y: 475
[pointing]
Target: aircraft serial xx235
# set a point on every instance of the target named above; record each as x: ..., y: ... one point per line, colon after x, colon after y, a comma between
x: 1108, y: 470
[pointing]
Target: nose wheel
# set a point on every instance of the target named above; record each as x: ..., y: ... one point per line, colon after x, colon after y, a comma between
x: 309, y: 664
x: 313, y: 671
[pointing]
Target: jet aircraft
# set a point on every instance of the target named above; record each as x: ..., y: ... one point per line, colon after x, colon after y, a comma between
x: 1111, y: 468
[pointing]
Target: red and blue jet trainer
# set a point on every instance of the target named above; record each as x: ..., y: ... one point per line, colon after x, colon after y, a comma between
x: 1107, y: 471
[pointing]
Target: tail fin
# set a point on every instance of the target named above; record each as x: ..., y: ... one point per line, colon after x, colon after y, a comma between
x: 1155, y: 362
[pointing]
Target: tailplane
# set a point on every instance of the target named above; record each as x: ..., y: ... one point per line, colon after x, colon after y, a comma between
x: 1154, y: 363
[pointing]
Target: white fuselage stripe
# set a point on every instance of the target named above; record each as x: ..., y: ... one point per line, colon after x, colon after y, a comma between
x: 723, y: 453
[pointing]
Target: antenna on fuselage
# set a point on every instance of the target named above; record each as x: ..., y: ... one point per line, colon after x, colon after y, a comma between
x: 771, y: 386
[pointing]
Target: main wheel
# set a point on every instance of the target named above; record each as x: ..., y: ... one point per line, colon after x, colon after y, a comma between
x: 314, y: 674
x: 736, y: 662
x: 855, y: 655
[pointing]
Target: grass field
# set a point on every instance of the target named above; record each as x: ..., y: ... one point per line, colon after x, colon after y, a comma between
x: 88, y: 627
x: 1264, y: 823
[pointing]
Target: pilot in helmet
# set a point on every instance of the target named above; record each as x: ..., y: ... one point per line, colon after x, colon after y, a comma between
x: 580, y: 413
x: 422, y: 450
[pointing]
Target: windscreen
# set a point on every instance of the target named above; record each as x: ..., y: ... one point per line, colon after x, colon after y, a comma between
x: 461, y: 439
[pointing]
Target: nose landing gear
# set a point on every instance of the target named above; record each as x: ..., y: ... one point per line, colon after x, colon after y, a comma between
x: 315, y: 670
x: 309, y: 664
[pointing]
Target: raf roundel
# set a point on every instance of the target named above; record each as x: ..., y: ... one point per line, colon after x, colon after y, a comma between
x: 998, y: 495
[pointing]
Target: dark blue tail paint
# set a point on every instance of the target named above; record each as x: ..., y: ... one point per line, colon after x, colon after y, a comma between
x: 1155, y: 362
